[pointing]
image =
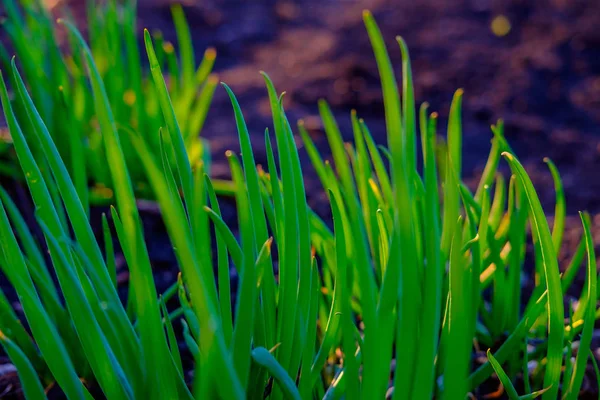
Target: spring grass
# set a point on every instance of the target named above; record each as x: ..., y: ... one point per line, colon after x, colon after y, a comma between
x: 63, y: 97
x: 392, y: 298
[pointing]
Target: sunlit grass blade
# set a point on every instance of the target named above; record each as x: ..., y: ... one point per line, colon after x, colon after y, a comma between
x: 550, y: 264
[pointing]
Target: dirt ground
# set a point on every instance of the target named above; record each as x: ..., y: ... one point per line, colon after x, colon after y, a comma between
x: 542, y: 77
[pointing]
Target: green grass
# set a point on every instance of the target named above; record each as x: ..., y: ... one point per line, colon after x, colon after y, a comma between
x: 63, y: 97
x: 415, y: 270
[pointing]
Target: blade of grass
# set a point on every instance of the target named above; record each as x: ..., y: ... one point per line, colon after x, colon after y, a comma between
x: 183, y: 163
x: 261, y: 356
x: 32, y: 387
x: 51, y: 346
x: 550, y: 264
x: 241, y: 344
x: 153, y: 339
x: 457, y: 355
x: 588, y: 329
x: 560, y: 208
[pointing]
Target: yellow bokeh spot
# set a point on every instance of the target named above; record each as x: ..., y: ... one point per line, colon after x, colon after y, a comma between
x: 129, y: 97
x: 102, y: 191
x: 168, y: 47
x: 500, y: 26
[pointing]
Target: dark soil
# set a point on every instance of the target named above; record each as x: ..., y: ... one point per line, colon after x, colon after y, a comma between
x: 542, y: 78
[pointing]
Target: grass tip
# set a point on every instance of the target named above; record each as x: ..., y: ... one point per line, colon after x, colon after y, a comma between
x: 210, y: 53
x: 367, y: 14
x: 547, y: 160
x: 402, y: 43
x: 213, y: 79
x: 167, y: 46
x: 434, y: 115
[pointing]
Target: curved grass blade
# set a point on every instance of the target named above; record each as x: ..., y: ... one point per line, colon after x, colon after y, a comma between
x: 572, y: 392
x: 204, y: 310
x: 153, y: 340
x: 550, y: 264
x: 74, y: 207
x: 457, y: 353
x: 288, y: 266
x: 256, y: 216
x: 186, y: 49
x: 408, y: 107
x: 32, y: 387
x: 511, y: 392
x: 334, y: 320
x: 243, y: 329
x: 560, y: 209
x: 51, y: 345
x: 182, y: 161
x: 262, y: 357
x: 109, y: 250
x: 106, y: 368
x: 430, y: 321
x: 222, y: 267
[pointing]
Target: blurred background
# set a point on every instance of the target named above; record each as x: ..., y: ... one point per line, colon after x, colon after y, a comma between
x: 535, y: 64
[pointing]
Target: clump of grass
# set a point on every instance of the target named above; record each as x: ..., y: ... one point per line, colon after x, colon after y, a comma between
x: 393, y: 301
x: 61, y: 93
